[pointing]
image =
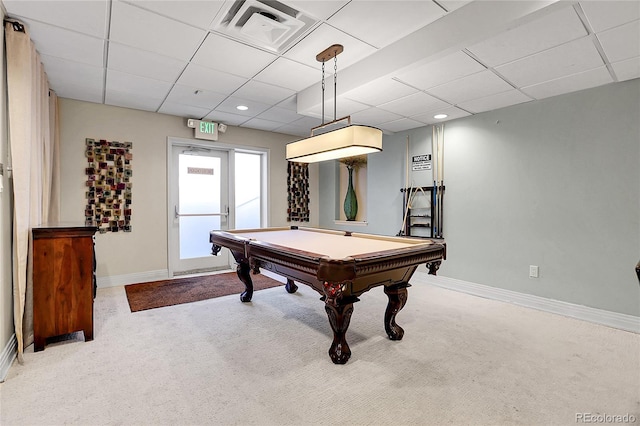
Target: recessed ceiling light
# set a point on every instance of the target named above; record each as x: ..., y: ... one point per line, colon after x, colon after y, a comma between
x: 440, y: 116
x: 242, y: 107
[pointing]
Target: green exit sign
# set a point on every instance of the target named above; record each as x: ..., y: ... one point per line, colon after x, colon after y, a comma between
x: 204, y: 129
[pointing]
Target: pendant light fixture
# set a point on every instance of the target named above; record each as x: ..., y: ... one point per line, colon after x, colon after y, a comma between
x: 347, y: 141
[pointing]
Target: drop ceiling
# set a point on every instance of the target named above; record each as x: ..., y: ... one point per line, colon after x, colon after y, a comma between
x: 403, y: 61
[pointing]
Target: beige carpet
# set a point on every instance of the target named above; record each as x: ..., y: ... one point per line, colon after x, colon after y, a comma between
x: 464, y: 360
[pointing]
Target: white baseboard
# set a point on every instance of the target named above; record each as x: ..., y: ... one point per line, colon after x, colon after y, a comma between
x: 139, y: 277
x: 598, y: 316
x: 7, y: 356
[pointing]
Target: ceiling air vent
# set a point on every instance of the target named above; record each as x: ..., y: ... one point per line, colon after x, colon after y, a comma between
x: 268, y: 24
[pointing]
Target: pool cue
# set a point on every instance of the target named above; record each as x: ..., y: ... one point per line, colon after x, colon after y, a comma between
x: 406, y: 212
x: 407, y: 191
x: 406, y: 178
x: 434, y: 191
x: 440, y: 178
x: 405, y: 195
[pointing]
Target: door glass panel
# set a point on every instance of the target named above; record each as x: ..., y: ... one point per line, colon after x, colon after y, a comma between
x: 248, y: 190
x: 199, y: 194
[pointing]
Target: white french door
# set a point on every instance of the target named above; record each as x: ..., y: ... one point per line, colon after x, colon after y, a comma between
x: 199, y: 203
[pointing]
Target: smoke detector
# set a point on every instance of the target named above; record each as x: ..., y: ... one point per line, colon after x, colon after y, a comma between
x: 269, y: 24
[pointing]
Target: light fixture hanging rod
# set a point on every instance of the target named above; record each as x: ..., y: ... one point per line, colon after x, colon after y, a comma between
x: 330, y: 52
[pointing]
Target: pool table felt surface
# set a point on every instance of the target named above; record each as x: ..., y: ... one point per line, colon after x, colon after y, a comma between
x: 333, y: 244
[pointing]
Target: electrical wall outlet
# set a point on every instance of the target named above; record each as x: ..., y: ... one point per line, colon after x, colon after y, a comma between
x: 533, y: 271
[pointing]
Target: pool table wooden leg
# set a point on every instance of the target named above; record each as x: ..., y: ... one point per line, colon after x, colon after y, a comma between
x: 433, y: 267
x: 339, y: 317
x: 243, y: 270
x: 339, y: 310
x: 397, y: 295
x: 291, y: 286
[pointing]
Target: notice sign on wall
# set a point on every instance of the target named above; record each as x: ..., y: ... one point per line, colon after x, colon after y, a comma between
x: 421, y: 162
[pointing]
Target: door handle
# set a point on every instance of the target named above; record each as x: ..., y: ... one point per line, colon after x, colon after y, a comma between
x: 178, y: 214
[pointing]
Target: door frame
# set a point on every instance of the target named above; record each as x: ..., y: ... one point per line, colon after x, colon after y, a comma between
x: 231, y: 149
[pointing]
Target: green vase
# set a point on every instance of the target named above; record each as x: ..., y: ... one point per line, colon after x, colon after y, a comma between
x: 350, y: 200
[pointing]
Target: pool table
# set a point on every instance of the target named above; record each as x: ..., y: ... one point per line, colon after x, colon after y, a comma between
x: 337, y: 264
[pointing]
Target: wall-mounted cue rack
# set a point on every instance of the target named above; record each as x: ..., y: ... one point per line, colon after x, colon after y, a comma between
x: 422, y: 211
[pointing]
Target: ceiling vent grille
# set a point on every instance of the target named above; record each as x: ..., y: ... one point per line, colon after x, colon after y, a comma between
x: 269, y: 24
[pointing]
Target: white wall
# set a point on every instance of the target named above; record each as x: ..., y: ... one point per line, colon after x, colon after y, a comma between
x: 553, y: 183
x: 145, y: 248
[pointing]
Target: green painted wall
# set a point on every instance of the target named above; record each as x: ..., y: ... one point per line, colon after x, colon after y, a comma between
x: 553, y: 183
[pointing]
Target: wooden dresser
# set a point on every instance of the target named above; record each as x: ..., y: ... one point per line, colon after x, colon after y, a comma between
x: 63, y: 281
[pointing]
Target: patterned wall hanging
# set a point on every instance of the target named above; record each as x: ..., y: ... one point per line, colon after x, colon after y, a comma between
x: 108, y: 185
x: 298, y: 187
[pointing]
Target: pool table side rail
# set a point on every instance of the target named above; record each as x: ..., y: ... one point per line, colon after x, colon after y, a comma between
x: 363, y: 271
x: 359, y: 273
x: 402, y: 240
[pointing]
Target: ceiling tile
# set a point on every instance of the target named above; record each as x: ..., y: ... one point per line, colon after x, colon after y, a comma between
x: 161, y: 52
x: 197, y: 13
x: 319, y: 9
x: 74, y: 80
x: 181, y: 110
x: 284, y: 72
x: 144, y: 64
x: 255, y: 108
x: 379, y: 92
x: 136, y: 86
x: 401, y: 125
x: 380, y: 23
x: 281, y: 115
x: 478, y: 85
x: 451, y: 112
x: 208, y: 79
x: 307, y: 122
x: 87, y: 17
x: 186, y: 95
x: 65, y: 44
x: 145, y: 30
x: 607, y: 14
x: 414, y: 104
x: 570, y: 58
x: 441, y: 71
x: 627, y: 70
x: 500, y: 100
x: 343, y: 108
x: 373, y: 117
x: 223, y: 54
x: 544, y: 33
x: 263, y: 92
x: 258, y: 123
x: 584, y: 80
x: 622, y: 42
x: 226, y: 118
x: 124, y: 99
x: 79, y: 93
x: 289, y: 103
x: 290, y: 129
x: 452, y: 5
x: 321, y: 38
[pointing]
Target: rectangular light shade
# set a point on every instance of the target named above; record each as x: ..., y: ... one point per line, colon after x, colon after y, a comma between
x: 344, y: 142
